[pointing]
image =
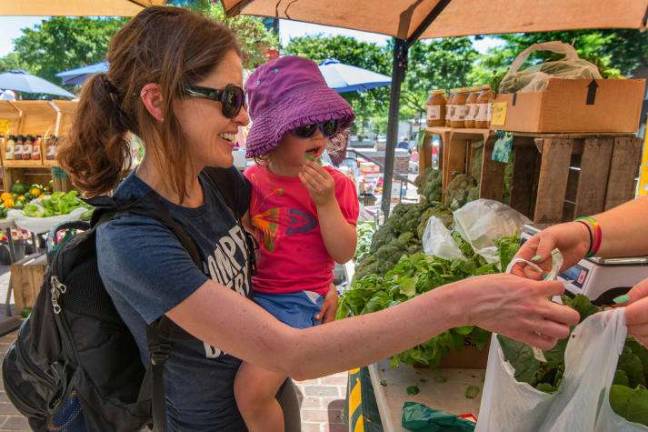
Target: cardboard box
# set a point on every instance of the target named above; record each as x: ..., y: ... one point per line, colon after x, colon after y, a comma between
x: 581, y: 105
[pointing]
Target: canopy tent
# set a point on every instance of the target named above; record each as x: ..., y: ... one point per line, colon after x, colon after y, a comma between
x: 345, y: 78
x: 340, y: 77
x: 79, y: 75
x: 21, y: 81
x: 410, y: 20
x: 75, y: 7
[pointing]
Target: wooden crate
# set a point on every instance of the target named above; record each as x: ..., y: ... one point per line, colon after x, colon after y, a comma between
x: 559, y: 177
x: 458, y: 152
x: 26, y: 280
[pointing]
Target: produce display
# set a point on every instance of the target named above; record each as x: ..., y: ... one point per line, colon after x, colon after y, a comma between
x: 20, y: 195
x: 396, y: 269
x: 628, y: 396
x: 59, y: 203
x: 401, y: 233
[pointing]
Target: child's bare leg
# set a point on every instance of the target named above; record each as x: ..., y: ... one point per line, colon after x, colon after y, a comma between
x: 256, y: 389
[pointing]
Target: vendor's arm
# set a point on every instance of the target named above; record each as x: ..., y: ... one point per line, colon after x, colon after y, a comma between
x: 513, y: 306
x: 338, y: 233
x: 623, y: 231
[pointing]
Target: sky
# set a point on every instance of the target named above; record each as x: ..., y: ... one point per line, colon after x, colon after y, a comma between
x: 10, y: 29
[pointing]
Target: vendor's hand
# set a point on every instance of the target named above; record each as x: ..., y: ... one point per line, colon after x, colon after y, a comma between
x: 518, y: 308
x: 329, y: 307
x: 572, y: 239
x: 319, y: 183
x: 637, y: 312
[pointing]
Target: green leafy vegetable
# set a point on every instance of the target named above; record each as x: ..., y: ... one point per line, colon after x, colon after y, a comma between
x: 472, y: 392
x: 413, y: 390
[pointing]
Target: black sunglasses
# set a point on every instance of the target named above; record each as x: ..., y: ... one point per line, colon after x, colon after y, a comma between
x: 232, y: 97
x: 329, y: 129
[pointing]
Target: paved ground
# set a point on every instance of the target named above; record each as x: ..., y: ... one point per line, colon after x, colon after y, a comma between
x: 322, y: 400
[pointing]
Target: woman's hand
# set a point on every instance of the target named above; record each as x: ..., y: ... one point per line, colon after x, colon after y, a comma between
x: 319, y: 182
x: 637, y: 312
x: 329, y: 307
x: 518, y: 308
x: 572, y: 239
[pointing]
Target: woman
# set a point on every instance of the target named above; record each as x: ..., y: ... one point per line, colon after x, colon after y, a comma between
x: 618, y: 232
x: 174, y: 81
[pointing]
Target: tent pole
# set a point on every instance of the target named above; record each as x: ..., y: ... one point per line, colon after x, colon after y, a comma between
x: 399, y: 65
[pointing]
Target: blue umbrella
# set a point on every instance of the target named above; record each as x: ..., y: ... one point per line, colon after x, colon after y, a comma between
x: 21, y: 81
x: 346, y: 78
x: 79, y: 75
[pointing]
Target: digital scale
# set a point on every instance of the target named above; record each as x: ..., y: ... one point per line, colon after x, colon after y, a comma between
x: 600, y: 279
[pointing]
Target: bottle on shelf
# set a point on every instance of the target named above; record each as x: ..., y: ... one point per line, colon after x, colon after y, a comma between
x: 460, y: 109
x: 10, y: 147
x: 36, y: 151
x: 51, y: 148
x: 471, y: 103
x: 450, y: 107
x: 18, y: 152
x: 485, y: 102
x: 436, y: 108
x: 28, y: 146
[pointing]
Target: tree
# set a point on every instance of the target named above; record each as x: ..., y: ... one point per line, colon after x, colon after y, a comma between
x: 255, y: 38
x: 62, y: 43
x: 12, y: 62
x: 615, y: 52
x: 437, y: 64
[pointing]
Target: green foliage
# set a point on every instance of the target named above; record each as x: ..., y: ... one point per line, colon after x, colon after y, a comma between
x: 59, y: 203
x: 413, y: 275
x: 365, y: 231
x: 252, y: 34
x: 61, y: 43
x: 615, y: 52
x: 439, y: 63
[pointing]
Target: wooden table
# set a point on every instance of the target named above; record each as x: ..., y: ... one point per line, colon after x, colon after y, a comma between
x: 440, y: 389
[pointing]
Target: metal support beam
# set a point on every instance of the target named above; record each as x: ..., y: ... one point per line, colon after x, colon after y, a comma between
x: 399, y: 66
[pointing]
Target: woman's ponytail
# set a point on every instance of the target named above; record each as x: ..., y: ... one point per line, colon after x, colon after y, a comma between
x: 96, y: 152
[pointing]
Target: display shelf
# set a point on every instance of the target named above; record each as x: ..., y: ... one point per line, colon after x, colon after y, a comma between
x: 440, y: 389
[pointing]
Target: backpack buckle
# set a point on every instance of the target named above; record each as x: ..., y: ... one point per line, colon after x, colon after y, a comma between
x: 159, y: 352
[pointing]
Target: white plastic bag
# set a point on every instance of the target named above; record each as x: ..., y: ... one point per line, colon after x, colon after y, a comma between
x: 43, y: 225
x: 581, y: 404
x: 437, y: 241
x: 483, y: 221
x: 535, y: 78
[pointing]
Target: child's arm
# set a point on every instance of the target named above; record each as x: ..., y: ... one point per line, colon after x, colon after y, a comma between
x: 339, y: 235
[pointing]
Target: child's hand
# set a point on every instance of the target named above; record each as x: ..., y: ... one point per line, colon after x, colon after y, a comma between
x: 319, y: 183
x: 329, y: 308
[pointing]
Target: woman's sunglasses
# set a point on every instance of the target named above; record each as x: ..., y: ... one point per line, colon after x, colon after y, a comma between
x: 329, y: 129
x: 232, y: 97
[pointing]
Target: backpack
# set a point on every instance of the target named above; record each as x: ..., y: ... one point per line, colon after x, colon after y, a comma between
x: 74, y: 344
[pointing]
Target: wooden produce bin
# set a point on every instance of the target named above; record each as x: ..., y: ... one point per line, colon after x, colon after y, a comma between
x: 10, y: 117
x: 26, y: 280
x: 457, y: 154
x: 559, y: 177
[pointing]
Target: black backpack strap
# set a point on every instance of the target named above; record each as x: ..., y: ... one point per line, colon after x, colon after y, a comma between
x: 160, y: 332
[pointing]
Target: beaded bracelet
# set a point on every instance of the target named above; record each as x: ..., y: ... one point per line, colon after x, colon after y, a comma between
x: 595, y: 232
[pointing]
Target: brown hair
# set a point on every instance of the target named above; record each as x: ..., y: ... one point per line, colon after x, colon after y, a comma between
x: 170, y: 46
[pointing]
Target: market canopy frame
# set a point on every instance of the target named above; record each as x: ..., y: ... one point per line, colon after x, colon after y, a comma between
x: 410, y: 20
x: 123, y: 8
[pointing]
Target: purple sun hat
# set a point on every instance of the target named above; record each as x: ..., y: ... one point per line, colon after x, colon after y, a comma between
x: 286, y: 93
